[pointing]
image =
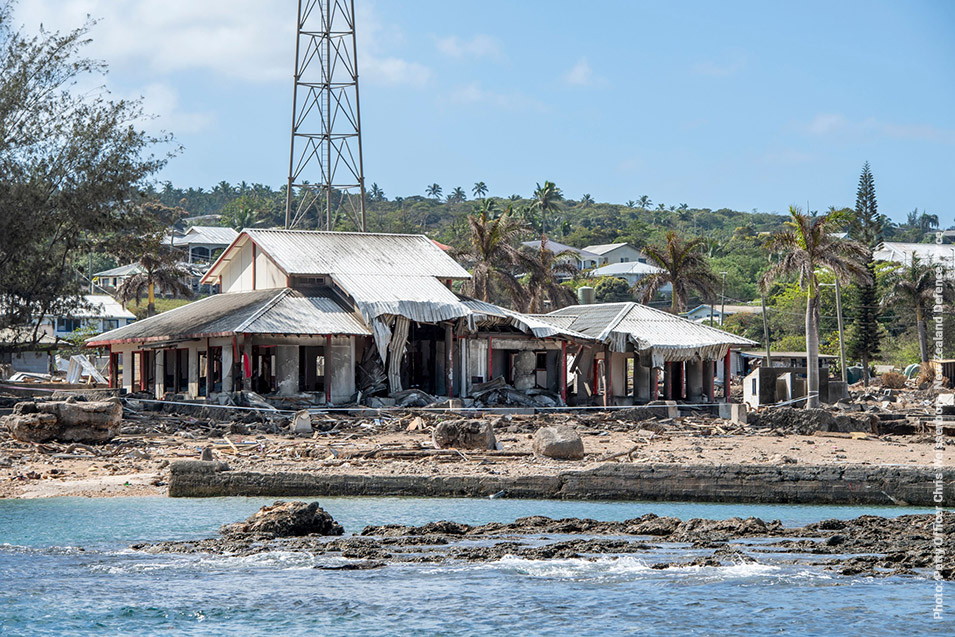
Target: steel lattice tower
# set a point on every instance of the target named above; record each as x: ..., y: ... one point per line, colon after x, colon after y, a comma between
x: 326, y: 122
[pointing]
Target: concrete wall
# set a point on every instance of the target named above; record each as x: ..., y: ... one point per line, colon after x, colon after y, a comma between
x: 267, y: 274
x: 237, y: 274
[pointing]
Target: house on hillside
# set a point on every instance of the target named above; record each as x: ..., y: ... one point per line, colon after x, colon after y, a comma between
x: 583, y: 259
x: 609, y: 253
x: 720, y: 311
x: 899, y: 252
x: 338, y: 315
x: 631, y: 272
x: 202, y: 244
x: 636, y: 348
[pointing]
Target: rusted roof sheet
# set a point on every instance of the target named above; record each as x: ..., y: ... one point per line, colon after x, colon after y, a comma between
x: 666, y: 336
x: 275, y: 311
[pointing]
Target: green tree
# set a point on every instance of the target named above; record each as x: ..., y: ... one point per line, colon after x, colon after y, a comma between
x: 611, y: 289
x: 492, y: 255
x: 434, y: 191
x: 913, y: 288
x: 543, y: 285
x: 376, y: 194
x: 159, y: 263
x: 586, y: 200
x: 684, y: 267
x: 868, y: 228
x: 73, y: 167
x: 805, y: 246
x: 547, y: 199
x: 645, y: 202
x: 480, y: 189
x: 457, y: 195
x: 241, y: 213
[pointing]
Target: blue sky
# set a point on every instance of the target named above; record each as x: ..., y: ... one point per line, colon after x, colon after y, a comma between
x: 745, y: 105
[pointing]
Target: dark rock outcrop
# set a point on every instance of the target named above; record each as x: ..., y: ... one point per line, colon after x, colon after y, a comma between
x: 464, y: 434
x: 286, y: 519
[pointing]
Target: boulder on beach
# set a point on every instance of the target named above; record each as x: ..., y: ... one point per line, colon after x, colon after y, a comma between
x: 90, y: 422
x: 560, y: 442
x: 464, y: 434
x: 286, y: 519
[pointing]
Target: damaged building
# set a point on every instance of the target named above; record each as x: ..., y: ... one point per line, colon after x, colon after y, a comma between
x: 340, y: 316
x: 639, y: 354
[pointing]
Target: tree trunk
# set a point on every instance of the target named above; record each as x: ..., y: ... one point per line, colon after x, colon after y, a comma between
x: 923, y: 336
x: 812, y: 349
x: 865, y: 369
x: 151, y: 306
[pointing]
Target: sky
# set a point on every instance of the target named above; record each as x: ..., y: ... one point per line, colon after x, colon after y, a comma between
x: 743, y: 105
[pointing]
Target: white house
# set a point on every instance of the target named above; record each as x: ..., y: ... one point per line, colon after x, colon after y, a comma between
x: 631, y: 272
x: 200, y: 244
x: 583, y: 259
x: 702, y: 312
x: 609, y: 253
x: 899, y: 252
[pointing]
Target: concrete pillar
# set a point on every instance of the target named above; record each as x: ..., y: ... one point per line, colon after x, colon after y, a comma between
x: 193, y: 371
x: 160, y: 371
x: 694, y: 381
x: 642, y: 377
x: 228, y: 365
x: 126, y: 382
x: 709, y: 370
x: 286, y: 369
x: 668, y: 381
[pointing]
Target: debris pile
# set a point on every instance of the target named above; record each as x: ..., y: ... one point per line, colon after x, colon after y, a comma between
x: 65, y: 421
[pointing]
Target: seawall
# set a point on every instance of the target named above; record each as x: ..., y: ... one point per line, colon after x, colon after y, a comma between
x: 808, y: 484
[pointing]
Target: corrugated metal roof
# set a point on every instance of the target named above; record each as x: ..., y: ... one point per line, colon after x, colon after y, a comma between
x: 276, y: 311
x: 123, y: 270
x: 603, y: 248
x: 420, y: 298
x: 398, y: 255
x: 206, y: 235
x: 558, y: 248
x: 666, y: 336
x: 101, y: 306
x: 487, y: 313
x: 631, y: 267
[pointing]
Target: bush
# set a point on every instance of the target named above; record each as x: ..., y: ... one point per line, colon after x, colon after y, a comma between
x: 892, y: 380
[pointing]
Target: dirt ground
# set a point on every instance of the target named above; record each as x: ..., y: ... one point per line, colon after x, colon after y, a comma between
x: 137, y: 465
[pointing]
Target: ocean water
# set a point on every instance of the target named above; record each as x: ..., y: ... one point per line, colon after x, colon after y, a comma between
x: 66, y: 569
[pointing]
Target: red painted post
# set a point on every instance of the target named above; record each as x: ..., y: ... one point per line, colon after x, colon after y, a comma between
x: 726, y: 377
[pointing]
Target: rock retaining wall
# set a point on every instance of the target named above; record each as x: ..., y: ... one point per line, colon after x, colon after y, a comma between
x: 810, y: 484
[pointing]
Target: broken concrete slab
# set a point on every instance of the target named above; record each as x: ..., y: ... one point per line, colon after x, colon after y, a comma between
x: 559, y: 442
x: 464, y: 434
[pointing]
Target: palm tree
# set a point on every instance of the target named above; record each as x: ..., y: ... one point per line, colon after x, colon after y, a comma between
x: 661, y: 207
x: 493, y: 255
x: 457, y: 195
x: 434, y: 190
x: 644, y: 202
x: 804, y: 246
x: 547, y: 199
x: 630, y: 203
x: 913, y: 286
x: 587, y: 200
x: 684, y: 267
x: 376, y: 194
x: 544, y: 291
x: 480, y: 189
x: 927, y: 222
x: 159, y: 268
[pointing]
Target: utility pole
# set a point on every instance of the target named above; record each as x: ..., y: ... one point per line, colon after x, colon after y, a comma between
x: 723, y: 299
x: 326, y: 118
x: 769, y: 356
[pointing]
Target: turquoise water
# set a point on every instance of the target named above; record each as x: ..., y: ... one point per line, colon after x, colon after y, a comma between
x: 65, y: 569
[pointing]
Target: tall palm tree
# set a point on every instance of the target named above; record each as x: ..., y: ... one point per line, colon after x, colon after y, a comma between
x: 159, y: 268
x: 480, y: 189
x: 630, y: 203
x: 458, y: 195
x: 805, y: 245
x: 375, y: 193
x: 644, y: 202
x: 684, y: 267
x: 913, y: 286
x: 927, y: 222
x: 587, y: 200
x: 547, y: 198
x: 544, y: 291
x: 491, y: 249
x: 434, y: 190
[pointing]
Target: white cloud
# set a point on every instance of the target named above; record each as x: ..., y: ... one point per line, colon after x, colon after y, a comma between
x: 581, y: 74
x: 248, y: 40
x: 161, y: 105
x: 479, y: 46
x: 832, y: 124
x: 733, y: 63
x: 474, y: 94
